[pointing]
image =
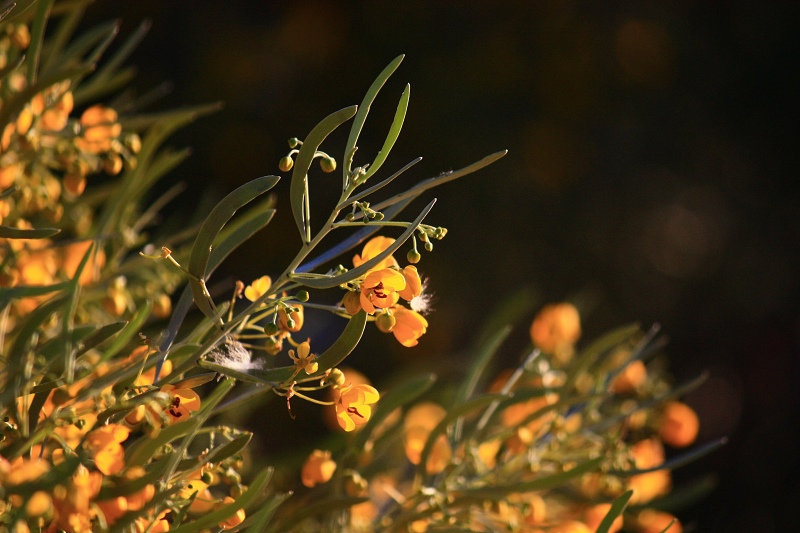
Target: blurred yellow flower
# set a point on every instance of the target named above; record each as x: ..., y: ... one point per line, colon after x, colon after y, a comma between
x: 409, y: 326
x: 556, y: 329
x: 104, y: 445
x: 234, y: 520
x: 304, y: 360
x: 679, y: 425
x: 318, y: 468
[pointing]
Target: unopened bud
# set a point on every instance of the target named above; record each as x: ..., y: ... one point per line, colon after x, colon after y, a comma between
x: 286, y: 163
x: 428, y: 246
x: 327, y: 164
x: 271, y: 328
x: 302, y: 296
x: 413, y: 256
x: 352, y: 302
x: 294, y: 142
x: 385, y: 322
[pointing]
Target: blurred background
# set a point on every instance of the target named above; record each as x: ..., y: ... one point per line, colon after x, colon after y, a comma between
x: 651, y: 177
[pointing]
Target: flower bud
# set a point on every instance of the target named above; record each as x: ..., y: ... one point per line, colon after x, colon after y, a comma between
x: 302, y: 296
x: 286, y: 163
x: 385, y: 322
x: 413, y: 256
x: 327, y: 164
x: 271, y: 329
x: 294, y: 142
x: 352, y: 302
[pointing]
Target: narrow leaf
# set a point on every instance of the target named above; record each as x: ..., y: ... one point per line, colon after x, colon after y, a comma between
x: 219, y: 216
x: 361, y: 116
x: 7, y: 232
x: 616, y: 510
x: 394, y: 133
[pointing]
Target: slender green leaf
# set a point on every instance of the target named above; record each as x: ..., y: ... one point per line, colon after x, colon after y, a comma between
x: 361, y: 116
x: 297, y: 188
x: 677, y: 462
x: 254, y: 491
x: 7, y: 232
x: 15, y: 293
x: 258, y: 522
x: 229, y: 449
x: 143, y: 450
x: 332, y: 357
x: 394, y: 133
x: 439, y: 180
x: 616, y: 510
x: 679, y: 498
x: 378, y: 186
x: 131, y: 329
x: 37, y: 38
x: 315, y: 281
x: 98, y: 38
x: 219, y: 216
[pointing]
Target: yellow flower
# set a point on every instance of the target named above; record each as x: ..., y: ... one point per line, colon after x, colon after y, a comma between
x: 353, y: 405
x: 409, y: 326
x: 258, y: 288
x: 373, y: 248
x: 100, y: 127
x: 184, y: 401
x: 318, y: 468
x: 73, y: 502
x: 653, y: 521
x: 679, y: 425
x: 413, y: 283
x: 594, y: 514
x: 556, y: 328
x: 417, y: 426
x: 104, y: 444
x: 304, y: 360
x: 381, y: 289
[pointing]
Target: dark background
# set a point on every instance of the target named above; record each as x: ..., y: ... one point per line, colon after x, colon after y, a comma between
x: 651, y: 176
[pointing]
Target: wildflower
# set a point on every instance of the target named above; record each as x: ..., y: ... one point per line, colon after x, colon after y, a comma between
x: 653, y: 521
x: 380, y: 289
x: 104, y: 444
x: 234, y: 520
x: 420, y: 420
x: 71, y: 257
x: 594, y: 514
x: 351, y: 302
x: 570, y: 526
x: 184, y: 401
x: 39, y: 503
x: 21, y: 471
x: 113, y: 509
x: 318, y: 468
x: 100, y: 127
x: 257, y: 288
x: 73, y: 502
x: 679, y: 425
x: 630, y: 379
x: 648, y: 453
x: 556, y: 329
x: 304, y: 360
x: 159, y: 524
x: 353, y: 405
x: 138, y: 499
x: 373, y: 248
x: 409, y: 326
x: 413, y: 283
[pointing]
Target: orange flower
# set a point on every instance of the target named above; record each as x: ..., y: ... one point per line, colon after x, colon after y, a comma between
x: 318, y: 468
x: 375, y: 246
x: 556, y: 328
x: 679, y: 425
x: 291, y: 322
x: 184, y: 401
x: 73, y: 502
x: 158, y: 525
x: 594, y: 514
x: 652, y: 521
x: 649, y: 453
x: 100, y: 126
x: 234, y: 520
x: 420, y: 420
x: 381, y: 289
x: 104, y: 444
x: 409, y: 326
x: 353, y: 405
x: 630, y: 379
x: 413, y: 283
x: 72, y: 256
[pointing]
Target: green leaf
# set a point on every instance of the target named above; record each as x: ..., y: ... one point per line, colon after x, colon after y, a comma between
x: 500, y: 491
x: 219, y: 216
x: 317, y: 281
x: 332, y: 357
x: 297, y: 188
x: 258, y: 522
x: 604, y: 344
x: 676, y: 462
x: 394, y: 133
x: 143, y: 450
x: 237, y: 444
x: 254, y: 491
x: 15, y: 293
x: 616, y: 510
x: 361, y: 116
x: 398, y: 396
x: 37, y: 38
x: 7, y: 232
x: 439, y: 180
